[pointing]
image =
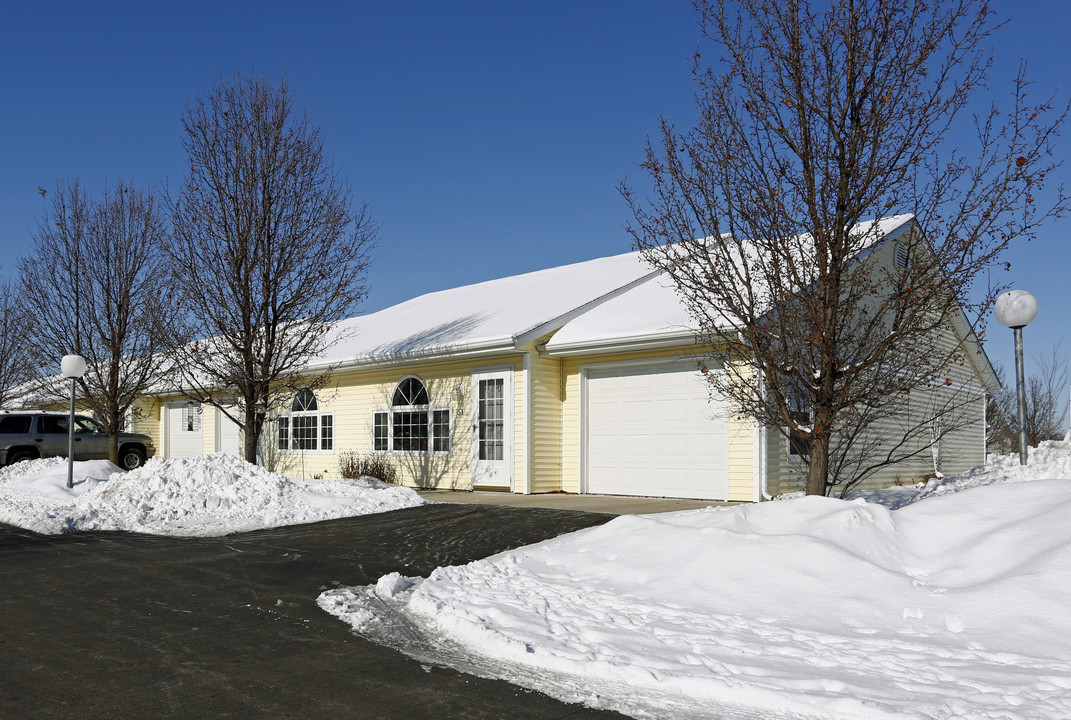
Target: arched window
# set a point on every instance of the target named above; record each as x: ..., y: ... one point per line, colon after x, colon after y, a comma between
x: 305, y: 428
x: 304, y: 401
x: 412, y: 424
x: 409, y: 392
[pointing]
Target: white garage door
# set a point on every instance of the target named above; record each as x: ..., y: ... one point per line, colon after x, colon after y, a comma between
x: 184, y: 430
x: 653, y: 430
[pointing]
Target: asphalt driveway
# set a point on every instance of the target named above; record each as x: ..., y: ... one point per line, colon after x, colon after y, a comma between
x: 115, y: 625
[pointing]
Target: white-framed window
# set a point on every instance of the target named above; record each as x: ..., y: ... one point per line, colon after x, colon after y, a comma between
x: 305, y: 428
x: 411, y: 425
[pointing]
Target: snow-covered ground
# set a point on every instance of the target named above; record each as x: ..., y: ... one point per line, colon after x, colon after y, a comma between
x: 955, y: 605
x: 201, y: 496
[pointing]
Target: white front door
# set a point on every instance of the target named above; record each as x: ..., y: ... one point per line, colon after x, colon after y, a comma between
x: 228, y: 434
x: 492, y: 429
x: 184, y: 429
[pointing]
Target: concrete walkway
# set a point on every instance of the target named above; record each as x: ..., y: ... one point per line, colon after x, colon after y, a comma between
x: 609, y: 504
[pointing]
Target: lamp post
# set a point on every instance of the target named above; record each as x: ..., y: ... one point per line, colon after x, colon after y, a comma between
x: 1016, y: 309
x: 74, y: 367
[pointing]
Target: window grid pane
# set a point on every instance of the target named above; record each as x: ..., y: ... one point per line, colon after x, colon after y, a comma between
x: 327, y: 432
x: 440, y: 430
x: 491, y: 409
x: 304, y: 432
x: 410, y: 431
x: 379, y: 432
x: 284, y: 433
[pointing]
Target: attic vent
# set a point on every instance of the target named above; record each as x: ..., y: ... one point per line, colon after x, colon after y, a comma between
x: 902, y: 252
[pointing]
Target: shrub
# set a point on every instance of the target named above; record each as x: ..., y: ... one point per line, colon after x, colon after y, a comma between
x: 352, y: 465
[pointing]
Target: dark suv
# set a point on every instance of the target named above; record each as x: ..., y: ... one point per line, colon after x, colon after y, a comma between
x: 35, y: 434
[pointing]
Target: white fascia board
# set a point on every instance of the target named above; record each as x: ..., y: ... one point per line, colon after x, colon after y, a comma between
x: 476, y: 351
x: 557, y: 323
x: 978, y: 357
x: 652, y: 341
x: 489, y: 348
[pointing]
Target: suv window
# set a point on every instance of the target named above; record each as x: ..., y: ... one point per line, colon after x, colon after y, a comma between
x: 47, y: 424
x: 15, y: 424
x: 84, y: 424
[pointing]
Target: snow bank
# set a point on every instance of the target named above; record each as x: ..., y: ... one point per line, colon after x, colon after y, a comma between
x: 815, y: 607
x: 200, y: 496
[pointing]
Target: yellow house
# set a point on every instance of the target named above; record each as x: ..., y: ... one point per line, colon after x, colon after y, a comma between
x: 583, y: 378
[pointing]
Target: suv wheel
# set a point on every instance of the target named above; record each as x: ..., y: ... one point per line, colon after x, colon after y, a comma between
x: 131, y: 458
x: 19, y: 456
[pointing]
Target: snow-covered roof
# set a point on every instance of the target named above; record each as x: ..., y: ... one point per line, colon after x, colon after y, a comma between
x: 649, y: 314
x: 652, y: 314
x: 491, y: 316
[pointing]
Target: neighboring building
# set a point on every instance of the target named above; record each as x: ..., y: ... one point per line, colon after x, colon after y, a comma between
x: 582, y: 378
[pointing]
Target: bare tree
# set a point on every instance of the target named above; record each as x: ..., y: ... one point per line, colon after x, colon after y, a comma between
x: 817, y: 119
x: 16, y: 369
x: 266, y: 248
x: 93, y: 285
x: 1046, y: 404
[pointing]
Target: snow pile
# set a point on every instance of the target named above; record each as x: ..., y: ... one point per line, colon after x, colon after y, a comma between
x: 807, y: 608
x: 1050, y: 459
x: 200, y: 496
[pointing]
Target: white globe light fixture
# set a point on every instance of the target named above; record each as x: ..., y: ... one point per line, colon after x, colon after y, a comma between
x: 1017, y: 309
x: 74, y: 367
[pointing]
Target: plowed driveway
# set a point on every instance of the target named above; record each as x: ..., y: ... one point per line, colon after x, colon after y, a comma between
x: 113, y: 625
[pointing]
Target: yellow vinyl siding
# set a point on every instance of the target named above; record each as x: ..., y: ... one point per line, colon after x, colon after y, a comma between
x: 147, y: 421
x: 545, y: 383
x: 354, y: 395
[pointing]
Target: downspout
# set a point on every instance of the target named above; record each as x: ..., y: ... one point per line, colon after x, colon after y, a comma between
x: 762, y: 451
x: 985, y: 427
x: 761, y: 465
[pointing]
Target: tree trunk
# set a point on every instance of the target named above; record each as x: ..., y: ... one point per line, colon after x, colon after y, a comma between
x: 250, y: 436
x: 113, y: 448
x: 818, y: 469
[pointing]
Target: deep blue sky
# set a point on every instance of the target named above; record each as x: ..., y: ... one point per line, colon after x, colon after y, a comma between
x: 488, y: 137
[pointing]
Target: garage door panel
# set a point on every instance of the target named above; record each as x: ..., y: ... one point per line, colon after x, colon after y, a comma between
x: 672, y: 445
x: 652, y: 430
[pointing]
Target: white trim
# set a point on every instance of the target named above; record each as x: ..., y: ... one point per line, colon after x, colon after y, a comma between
x: 985, y: 428
x: 624, y: 343
x: 760, y: 463
x: 372, y: 431
x: 318, y: 414
x: 582, y: 445
x: 526, y: 381
x: 430, y: 410
x: 165, y: 434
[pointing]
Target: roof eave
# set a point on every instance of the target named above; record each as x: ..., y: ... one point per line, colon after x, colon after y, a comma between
x: 648, y: 341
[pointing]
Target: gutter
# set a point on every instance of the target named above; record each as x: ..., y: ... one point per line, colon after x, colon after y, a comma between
x: 647, y: 341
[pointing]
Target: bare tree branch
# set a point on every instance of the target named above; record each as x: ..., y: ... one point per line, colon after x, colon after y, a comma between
x: 818, y: 121
x: 93, y: 284
x: 266, y: 248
